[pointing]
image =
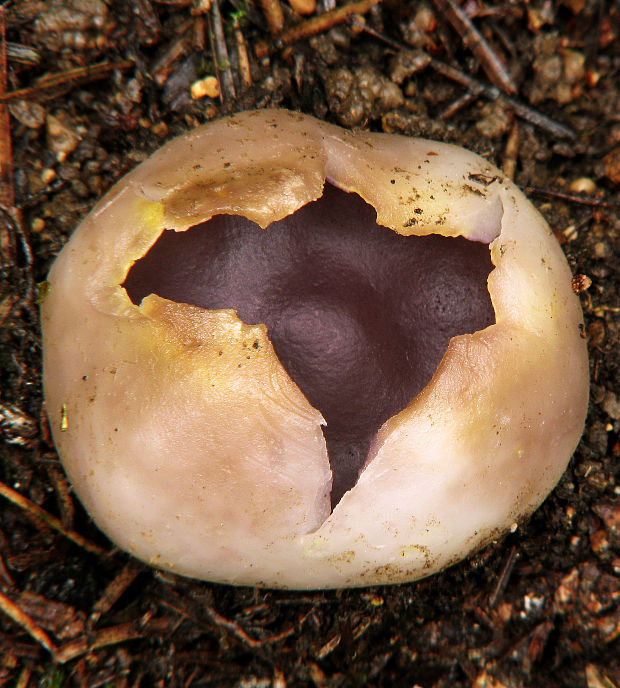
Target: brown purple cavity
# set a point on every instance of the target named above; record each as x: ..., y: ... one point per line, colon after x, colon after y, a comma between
x: 358, y: 315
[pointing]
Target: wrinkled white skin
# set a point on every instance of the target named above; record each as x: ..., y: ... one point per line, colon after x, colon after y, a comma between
x: 214, y: 466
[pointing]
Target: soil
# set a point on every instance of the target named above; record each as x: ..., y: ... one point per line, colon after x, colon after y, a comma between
x: 537, y: 608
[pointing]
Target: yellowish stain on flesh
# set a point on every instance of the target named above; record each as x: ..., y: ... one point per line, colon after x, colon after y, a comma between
x: 64, y: 419
x: 151, y: 212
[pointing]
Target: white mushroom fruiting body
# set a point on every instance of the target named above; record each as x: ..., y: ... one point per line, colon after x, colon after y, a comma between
x: 196, y: 451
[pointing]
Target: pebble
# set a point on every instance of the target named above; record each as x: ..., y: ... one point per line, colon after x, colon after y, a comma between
x: 596, y: 332
x: 584, y: 185
x: 597, y: 439
x: 355, y: 96
x: 28, y: 113
x: 209, y: 86
x: 611, y: 405
x: 495, y: 121
x: 48, y: 175
x: 558, y: 72
x: 61, y: 138
x: 406, y: 63
x: 611, y: 163
x: 71, y: 24
x: 303, y: 6
x: 160, y: 129
x: 37, y: 225
x: 602, y: 250
x: 417, y: 31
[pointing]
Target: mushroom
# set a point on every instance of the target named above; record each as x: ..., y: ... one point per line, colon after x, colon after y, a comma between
x: 284, y: 354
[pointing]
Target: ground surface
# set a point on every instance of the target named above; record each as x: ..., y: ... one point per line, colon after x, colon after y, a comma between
x: 539, y: 608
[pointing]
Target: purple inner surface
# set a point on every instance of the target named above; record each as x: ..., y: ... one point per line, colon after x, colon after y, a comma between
x: 358, y: 315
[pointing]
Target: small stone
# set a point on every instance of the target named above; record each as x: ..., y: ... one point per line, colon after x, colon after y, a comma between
x: 48, y: 175
x: 495, y: 121
x: 533, y: 605
x: 303, y: 6
x: 610, y: 515
x: 71, y: 24
x: 537, y: 18
x: 28, y: 113
x: 597, y: 393
x: 343, y: 97
x: 325, y: 49
x: 134, y: 90
x: 79, y: 188
x: 574, y: 66
x: 612, y: 165
x: 160, y: 129
x: 360, y: 95
x: 95, y: 184
x: 61, y: 138
x: 417, y: 31
x: 602, y: 250
x: 584, y: 185
x: 558, y: 72
x: 38, y: 224
x: 406, y: 63
x: 486, y: 680
x: 599, y: 542
x: 575, y: 6
x: 209, y: 86
x: 595, y: 678
x: 611, y: 405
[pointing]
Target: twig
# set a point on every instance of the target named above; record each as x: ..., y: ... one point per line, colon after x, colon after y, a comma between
x: 199, y: 32
x: 113, y: 591
x: 11, y: 218
x: 7, y: 188
x: 458, y: 104
x: 24, y: 678
x: 229, y: 627
x: 493, y: 93
x: 571, y: 198
x: 242, y: 54
x: 274, y: 15
x: 314, y: 26
x: 509, y: 164
x: 22, y: 619
x: 178, y: 48
x: 5, y: 577
x: 63, y: 492
x: 477, y: 88
x: 536, y: 117
x: 76, y: 648
x: 52, y: 522
x: 107, y: 636
x: 504, y: 576
x: 475, y: 41
x: 68, y: 78
x: 22, y: 54
x: 222, y: 63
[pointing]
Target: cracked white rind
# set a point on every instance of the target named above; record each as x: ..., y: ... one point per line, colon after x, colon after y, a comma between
x: 191, y: 447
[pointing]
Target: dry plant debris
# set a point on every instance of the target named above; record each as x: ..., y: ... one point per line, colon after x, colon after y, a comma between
x: 92, y: 87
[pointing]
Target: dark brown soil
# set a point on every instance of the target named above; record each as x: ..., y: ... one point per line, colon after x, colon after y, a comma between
x: 540, y: 607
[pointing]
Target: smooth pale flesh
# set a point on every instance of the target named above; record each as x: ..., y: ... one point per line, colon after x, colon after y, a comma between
x: 213, y: 465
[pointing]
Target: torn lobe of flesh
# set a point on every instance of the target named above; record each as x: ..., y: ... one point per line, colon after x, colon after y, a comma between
x: 358, y: 315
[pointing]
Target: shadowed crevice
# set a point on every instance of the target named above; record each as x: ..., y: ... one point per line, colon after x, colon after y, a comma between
x: 358, y: 315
